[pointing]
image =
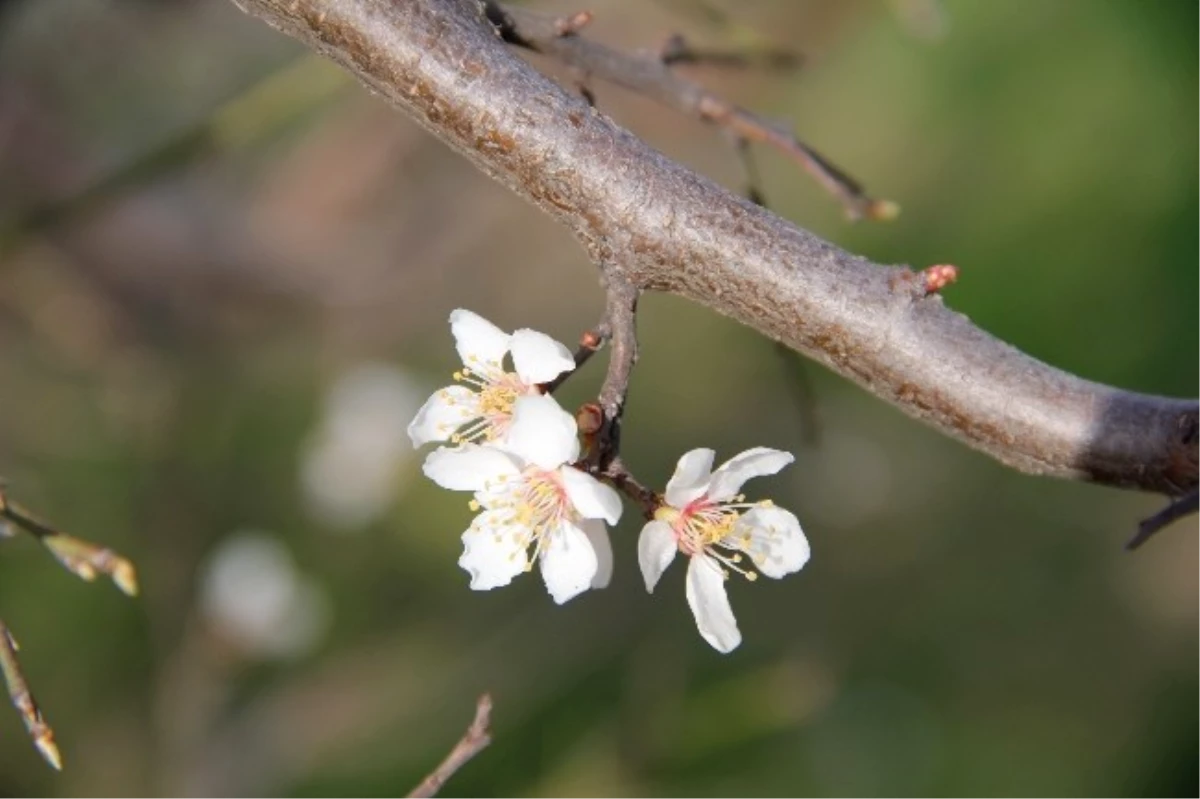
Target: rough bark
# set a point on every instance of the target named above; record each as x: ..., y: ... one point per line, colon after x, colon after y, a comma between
x: 652, y: 223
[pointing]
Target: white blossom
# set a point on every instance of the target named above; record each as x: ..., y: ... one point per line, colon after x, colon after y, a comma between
x: 533, y: 505
x: 705, y: 518
x: 478, y: 408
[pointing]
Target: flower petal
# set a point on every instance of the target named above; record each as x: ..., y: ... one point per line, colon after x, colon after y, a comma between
x: 447, y: 410
x: 478, y: 341
x: 492, y: 554
x: 597, y: 533
x: 691, y: 478
x: 469, y: 467
x: 569, y: 562
x: 542, y: 433
x: 539, y: 358
x: 593, y: 499
x: 656, y: 550
x: 727, y: 481
x: 710, y: 605
x: 775, y: 542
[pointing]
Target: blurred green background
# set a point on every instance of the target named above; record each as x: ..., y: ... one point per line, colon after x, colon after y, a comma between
x: 226, y: 274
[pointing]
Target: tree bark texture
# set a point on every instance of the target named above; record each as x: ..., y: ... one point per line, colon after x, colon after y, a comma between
x: 652, y: 223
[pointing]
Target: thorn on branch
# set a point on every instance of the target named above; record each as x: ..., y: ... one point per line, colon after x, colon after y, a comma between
x: 585, y: 91
x: 22, y: 699
x: 1177, y: 509
x: 569, y: 26
x: 474, y: 741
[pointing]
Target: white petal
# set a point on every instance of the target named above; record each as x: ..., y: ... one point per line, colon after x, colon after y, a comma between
x: 593, y: 499
x: 691, y: 478
x: 727, y: 481
x: 443, y: 413
x: 539, y: 358
x: 569, y: 562
x: 479, y: 342
x: 469, y: 467
x: 597, y: 533
x: 710, y: 605
x: 777, y: 544
x: 542, y: 433
x: 656, y: 550
x: 491, y: 554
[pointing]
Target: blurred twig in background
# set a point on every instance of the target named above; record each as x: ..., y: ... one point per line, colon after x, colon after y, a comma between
x: 474, y: 741
x: 85, y: 560
x: 23, y: 701
x: 654, y: 78
x: 253, y: 116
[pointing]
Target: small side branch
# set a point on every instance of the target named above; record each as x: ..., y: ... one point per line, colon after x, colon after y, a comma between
x: 23, y: 701
x: 677, y: 50
x: 589, y: 344
x: 621, y: 313
x: 1183, y: 506
x: 82, y: 558
x: 474, y: 741
x: 654, y: 78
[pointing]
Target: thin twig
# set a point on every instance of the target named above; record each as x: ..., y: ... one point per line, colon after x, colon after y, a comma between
x: 623, y: 480
x: 82, y: 558
x: 590, y: 343
x: 1183, y: 506
x: 474, y: 741
x: 677, y: 50
x: 621, y: 315
x: 23, y: 701
x: 654, y: 78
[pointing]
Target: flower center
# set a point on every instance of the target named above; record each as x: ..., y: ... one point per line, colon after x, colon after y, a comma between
x: 497, y: 391
x: 704, y: 527
x: 533, y: 508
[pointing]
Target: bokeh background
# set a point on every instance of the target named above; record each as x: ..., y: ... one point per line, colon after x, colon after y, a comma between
x: 226, y: 274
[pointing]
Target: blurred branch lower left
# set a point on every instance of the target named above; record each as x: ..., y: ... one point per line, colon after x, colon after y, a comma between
x: 82, y: 558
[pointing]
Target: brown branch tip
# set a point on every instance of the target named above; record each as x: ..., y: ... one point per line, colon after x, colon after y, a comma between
x: 474, y: 741
x: 83, y: 559
x: 22, y: 699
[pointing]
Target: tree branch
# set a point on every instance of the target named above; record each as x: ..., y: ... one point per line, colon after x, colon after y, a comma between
x: 661, y: 227
x: 474, y: 741
x: 23, y: 701
x: 653, y: 77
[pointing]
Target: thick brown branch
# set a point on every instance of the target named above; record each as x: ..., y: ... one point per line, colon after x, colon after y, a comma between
x: 474, y: 741
x: 662, y: 227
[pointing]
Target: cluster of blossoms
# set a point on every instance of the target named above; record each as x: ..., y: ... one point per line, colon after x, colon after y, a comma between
x: 515, y: 449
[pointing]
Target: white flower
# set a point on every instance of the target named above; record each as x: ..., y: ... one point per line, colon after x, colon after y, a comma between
x: 702, y: 517
x: 478, y: 409
x: 533, y: 505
